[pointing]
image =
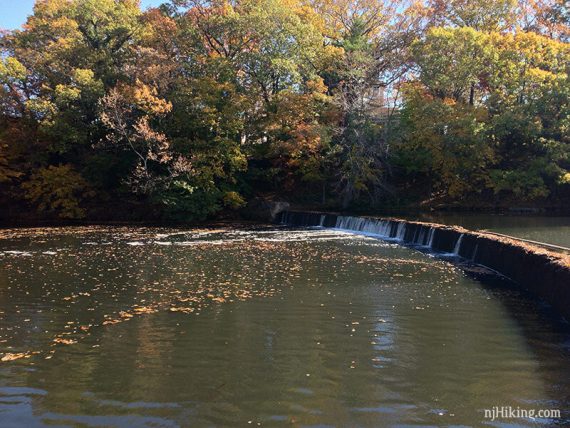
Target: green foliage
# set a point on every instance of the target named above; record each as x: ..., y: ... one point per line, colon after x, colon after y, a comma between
x: 359, y: 145
x: 183, y: 202
x: 452, y: 61
x: 525, y: 185
x: 490, y: 110
x: 446, y: 142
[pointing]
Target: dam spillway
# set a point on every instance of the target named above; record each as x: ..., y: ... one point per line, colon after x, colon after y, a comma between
x: 542, y: 272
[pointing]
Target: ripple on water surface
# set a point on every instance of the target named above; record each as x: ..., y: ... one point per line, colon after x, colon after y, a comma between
x: 167, y: 327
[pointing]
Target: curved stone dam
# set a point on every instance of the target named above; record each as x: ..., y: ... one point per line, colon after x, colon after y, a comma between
x: 544, y: 273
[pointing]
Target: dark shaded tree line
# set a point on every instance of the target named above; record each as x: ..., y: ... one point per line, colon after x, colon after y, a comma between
x: 190, y: 109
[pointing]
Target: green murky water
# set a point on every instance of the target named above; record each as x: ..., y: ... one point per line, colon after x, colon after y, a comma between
x: 548, y: 229
x: 145, y: 327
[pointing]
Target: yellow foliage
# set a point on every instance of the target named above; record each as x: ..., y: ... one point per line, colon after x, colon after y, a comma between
x: 145, y: 97
x: 58, y: 189
x: 65, y: 93
x: 6, y: 172
x: 42, y: 108
x: 233, y: 200
x: 12, y: 69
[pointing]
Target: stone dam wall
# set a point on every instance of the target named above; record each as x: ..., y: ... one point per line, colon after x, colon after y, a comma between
x: 542, y: 272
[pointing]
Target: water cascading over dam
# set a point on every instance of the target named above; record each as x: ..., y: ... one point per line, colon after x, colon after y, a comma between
x: 541, y: 272
x: 429, y: 236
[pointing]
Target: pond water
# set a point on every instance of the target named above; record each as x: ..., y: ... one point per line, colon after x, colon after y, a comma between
x: 548, y: 229
x: 149, y: 327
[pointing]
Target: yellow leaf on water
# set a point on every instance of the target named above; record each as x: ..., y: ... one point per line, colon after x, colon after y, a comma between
x: 184, y: 310
x: 64, y: 341
x: 15, y: 356
x: 144, y: 310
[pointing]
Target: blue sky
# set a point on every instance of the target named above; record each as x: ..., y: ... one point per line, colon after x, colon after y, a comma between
x: 13, y: 13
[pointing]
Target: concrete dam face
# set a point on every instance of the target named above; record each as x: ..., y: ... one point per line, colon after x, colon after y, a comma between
x: 544, y: 273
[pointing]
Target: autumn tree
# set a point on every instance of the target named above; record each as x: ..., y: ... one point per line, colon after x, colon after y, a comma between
x: 127, y: 113
x: 445, y: 147
x: 58, y: 190
x: 529, y: 98
x: 481, y: 15
x: 546, y: 17
x: 373, y: 39
x: 265, y: 55
x: 189, y: 109
x: 489, y: 111
x: 453, y: 63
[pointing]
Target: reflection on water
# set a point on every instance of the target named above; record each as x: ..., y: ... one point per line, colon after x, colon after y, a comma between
x: 552, y: 230
x: 162, y: 327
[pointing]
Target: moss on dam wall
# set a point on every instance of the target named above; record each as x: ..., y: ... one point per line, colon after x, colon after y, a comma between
x: 542, y: 272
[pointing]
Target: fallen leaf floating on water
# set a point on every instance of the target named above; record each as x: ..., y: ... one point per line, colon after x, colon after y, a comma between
x: 144, y: 310
x: 15, y: 356
x: 184, y: 310
x: 206, y: 280
x: 63, y: 341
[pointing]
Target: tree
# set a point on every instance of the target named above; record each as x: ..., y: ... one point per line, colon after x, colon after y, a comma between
x: 529, y: 97
x: 453, y: 63
x: 6, y: 171
x: 191, y: 108
x: 58, y: 190
x: 127, y: 112
x: 444, y: 142
x: 481, y: 15
x: 498, y: 104
x: 265, y: 55
x: 547, y: 17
